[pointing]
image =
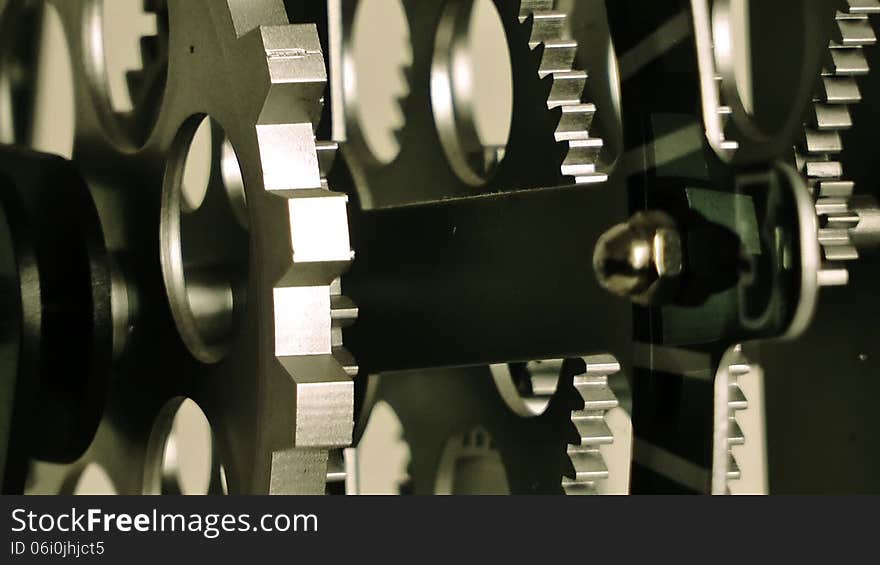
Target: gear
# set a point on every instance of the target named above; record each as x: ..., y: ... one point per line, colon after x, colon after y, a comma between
x: 533, y: 387
x: 818, y: 155
x: 269, y: 370
x: 549, y: 143
x: 729, y: 399
x: 554, y: 451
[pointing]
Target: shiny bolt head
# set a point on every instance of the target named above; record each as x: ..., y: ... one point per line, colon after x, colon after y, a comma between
x: 642, y: 259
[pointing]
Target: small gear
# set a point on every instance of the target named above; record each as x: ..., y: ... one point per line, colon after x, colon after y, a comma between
x: 818, y: 156
x: 729, y: 399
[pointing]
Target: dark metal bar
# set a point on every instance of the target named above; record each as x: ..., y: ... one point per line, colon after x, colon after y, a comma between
x: 490, y: 279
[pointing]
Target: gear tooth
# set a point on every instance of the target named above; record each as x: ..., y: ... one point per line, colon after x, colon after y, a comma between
x: 327, y: 151
x: 833, y: 275
x: 583, y: 152
x: 733, y: 472
x: 853, y: 32
x: 343, y: 311
x: 826, y: 117
x: 737, y: 400
x: 134, y: 80
x: 865, y: 7
x: 398, y: 136
x: 558, y: 56
x: 834, y: 189
x: 831, y: 206
x: 567, y: 88
x: 588, y: 464
x: 846, y: 61
x: 839, y: 90
x: 546, y: 86
x: 407, y: 73
x: 575, y: 488
x: 155, y: 6
x: 575, y: 122
x: 149, y: 45
x: 816, y: 142
x: 526, y: 25
x: 346, y: 360
x: 735, y: 434
x: 537, y: 57
x: 836, y: 253
x: 547, y: 26
x: 592, y: 430
x: 531, y: 6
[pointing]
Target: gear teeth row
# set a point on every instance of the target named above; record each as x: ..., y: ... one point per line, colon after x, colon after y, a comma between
x: 590, y: 428
x: 343, y: 311
x: 736, y: 402
x: 556, y: 56
x: 151, y: 54
x: 818, y: 151
x: 724, y: 113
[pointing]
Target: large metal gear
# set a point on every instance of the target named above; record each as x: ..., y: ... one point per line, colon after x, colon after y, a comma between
x: 264, y: 366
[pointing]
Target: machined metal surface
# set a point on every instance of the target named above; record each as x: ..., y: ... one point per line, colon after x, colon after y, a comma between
x: 263, y: 361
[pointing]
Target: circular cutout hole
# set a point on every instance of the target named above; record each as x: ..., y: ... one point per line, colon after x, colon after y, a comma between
x: 233, y: 183
x: 761, y: 57
x: 197, y: 172
x: 204, y: 242
x: 36, y: 79
x: 527, y: 387
x: 472, y: 88
x: 181, y: 453
x: 126, y: 59
x: 381, y: 50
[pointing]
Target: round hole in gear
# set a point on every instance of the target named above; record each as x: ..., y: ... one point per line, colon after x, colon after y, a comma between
x: 126, y: 63
x: 472, y: 88
x: 760, y: 48
x: 527, y: 388
x: 36, y: 79
x: 204, y: 250
x: 197, y: 172
x: 380, y: 52
x: 181, y: 453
